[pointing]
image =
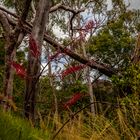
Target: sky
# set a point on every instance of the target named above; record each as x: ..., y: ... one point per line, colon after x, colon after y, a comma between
x: 134, y: 4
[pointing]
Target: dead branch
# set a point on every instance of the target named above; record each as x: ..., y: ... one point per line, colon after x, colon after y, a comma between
x: 103, y: 68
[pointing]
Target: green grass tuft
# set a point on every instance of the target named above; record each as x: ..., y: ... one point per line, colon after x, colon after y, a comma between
x: 15, y: 128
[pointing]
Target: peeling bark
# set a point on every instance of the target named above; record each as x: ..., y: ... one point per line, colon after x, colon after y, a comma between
x: 13, y: 38
x: 33, y: 70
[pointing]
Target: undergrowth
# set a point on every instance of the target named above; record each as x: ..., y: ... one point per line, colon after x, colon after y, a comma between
x: 124, y: 124
x: 15, y: 128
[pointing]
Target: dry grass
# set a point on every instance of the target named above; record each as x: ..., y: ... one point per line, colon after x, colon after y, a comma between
x: 85, y: 126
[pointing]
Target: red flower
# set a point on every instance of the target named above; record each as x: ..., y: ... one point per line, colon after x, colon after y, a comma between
x: 33, y: 47
x: 72, y: 69
x: 20, y: 70
x: 73, y: 100
x: 54, y: 55
x: 90, y: 25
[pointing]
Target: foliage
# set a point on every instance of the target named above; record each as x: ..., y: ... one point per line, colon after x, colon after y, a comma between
x: 113, y: 44
x: 110, y: 41
x: 130, y: 78
x: 124, y: 124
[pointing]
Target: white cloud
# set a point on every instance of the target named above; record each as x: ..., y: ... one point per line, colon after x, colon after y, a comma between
x: 134, y: 4
x: 59, y: 33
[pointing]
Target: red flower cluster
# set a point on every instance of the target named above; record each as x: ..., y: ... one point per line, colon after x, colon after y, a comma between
x: 72, y: 69
x: 73, y: 100
x: 90, y: 25
x: 54, y: 55
x: 33, y: 47
x: 20, y: 70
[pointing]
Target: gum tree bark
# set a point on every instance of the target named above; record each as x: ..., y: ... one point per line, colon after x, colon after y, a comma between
x: 13, y: 38
x: 33, y: 70
x: 9, y: 53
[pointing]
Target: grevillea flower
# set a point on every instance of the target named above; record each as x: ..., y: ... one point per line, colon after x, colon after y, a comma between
x: 33, y: 47
x: 72, y: 69
x: 20, y: 70
x: 54, y: 55
x: 73, y: 100
x: 90, y: 25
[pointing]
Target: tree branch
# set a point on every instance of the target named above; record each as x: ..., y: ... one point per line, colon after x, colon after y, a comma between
x: 103, y: 68
x: 5, y: 24
x: 8, y: 12
x: 66, y: 8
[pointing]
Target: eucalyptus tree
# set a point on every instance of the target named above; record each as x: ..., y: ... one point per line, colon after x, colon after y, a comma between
x: 30, y: 17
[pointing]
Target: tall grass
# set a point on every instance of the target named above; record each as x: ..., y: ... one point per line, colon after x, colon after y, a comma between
x: 124, y: 124
x: 14, y: 128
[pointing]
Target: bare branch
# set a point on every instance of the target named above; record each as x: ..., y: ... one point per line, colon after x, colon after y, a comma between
x: 8, y: 12
x: 56, y: 7
x: 33, y: 10
x: 88, y: 2
x: 33, y: 7
x: 5, y: 23
x: 66, y: 8
x: 103, y: 68
x: 11, y: 21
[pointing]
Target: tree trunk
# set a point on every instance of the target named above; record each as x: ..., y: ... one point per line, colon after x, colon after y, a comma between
x: 90, y: 90
x: 53, y: 89
x: 33, y: 71
x: 136, y: 54
x: 87, y: 75
x: 89, y: 84
x: 13, y: 38
x: 10, y: 54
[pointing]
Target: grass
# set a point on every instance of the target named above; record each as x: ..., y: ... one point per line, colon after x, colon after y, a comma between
x: 123, y: 125
x: 88, y: 128
x: 15, y: 128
